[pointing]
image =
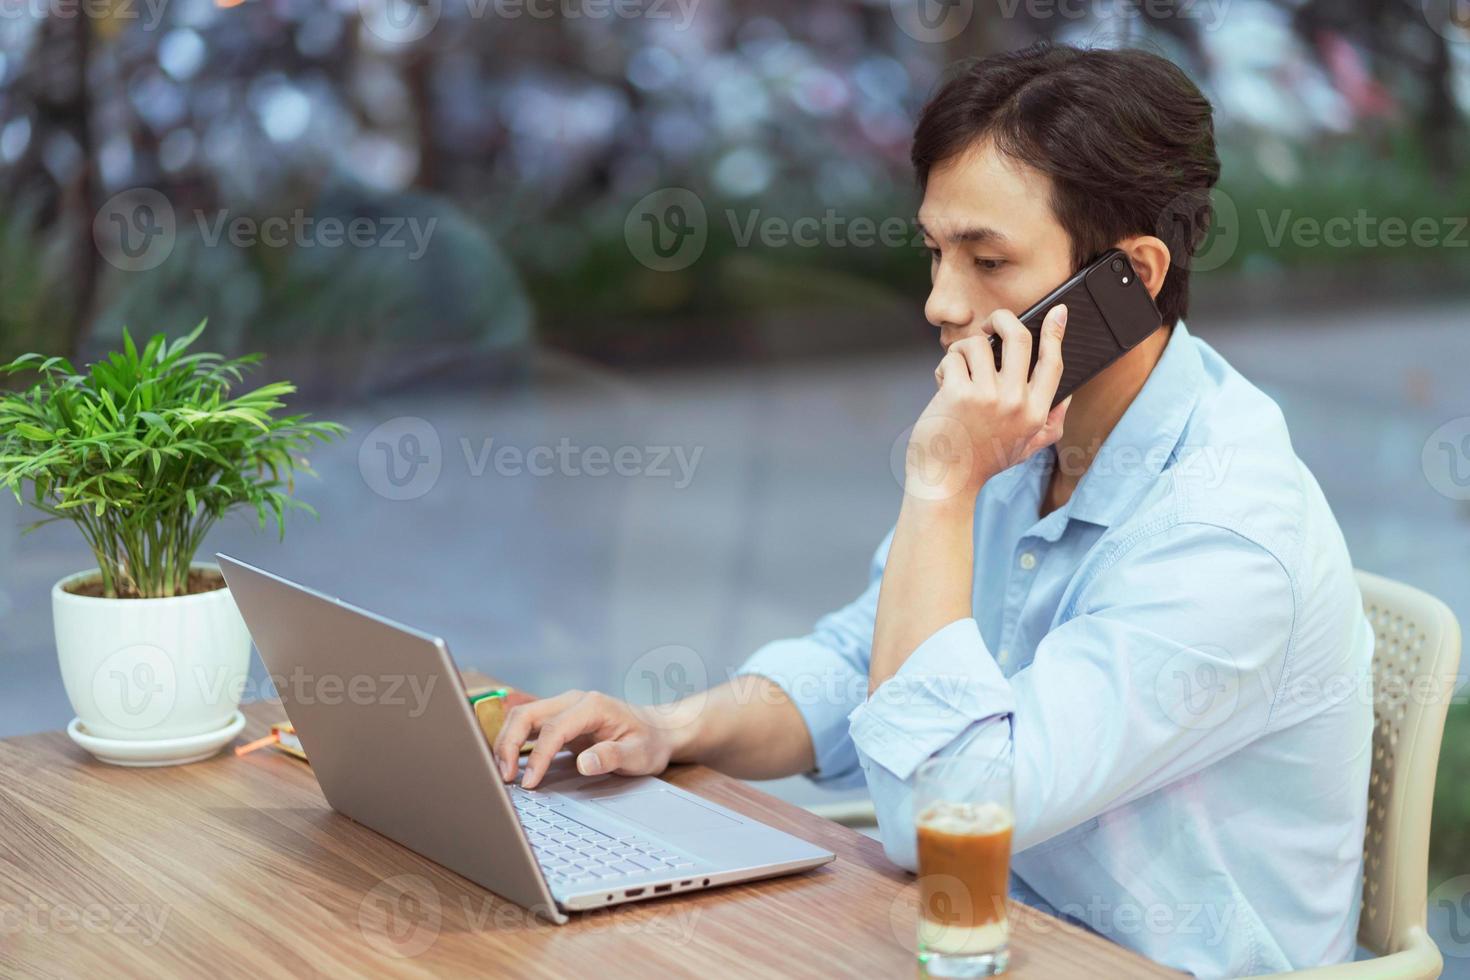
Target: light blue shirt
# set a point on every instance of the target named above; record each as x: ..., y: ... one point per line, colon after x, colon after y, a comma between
x: 1177, y: 661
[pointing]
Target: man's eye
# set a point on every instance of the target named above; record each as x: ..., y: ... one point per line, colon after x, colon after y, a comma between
x: 989, y: 265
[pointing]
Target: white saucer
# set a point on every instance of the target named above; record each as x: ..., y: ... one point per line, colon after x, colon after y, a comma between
x: 155, y: 752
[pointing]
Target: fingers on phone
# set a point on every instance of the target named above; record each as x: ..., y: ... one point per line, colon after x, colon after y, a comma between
x: 1048, y: 373
x: 1015, y: 346
x: 953, y: 367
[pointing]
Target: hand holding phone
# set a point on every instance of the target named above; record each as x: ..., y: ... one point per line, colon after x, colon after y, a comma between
x: 981, y: 419
x: 1109, y: 311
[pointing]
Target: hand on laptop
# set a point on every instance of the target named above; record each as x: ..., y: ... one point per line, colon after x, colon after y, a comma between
x: 608, y: 735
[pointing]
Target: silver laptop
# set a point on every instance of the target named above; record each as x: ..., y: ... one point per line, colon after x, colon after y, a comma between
x: 386, y: 722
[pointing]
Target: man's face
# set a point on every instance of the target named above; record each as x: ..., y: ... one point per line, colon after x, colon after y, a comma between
x: 992, y: 238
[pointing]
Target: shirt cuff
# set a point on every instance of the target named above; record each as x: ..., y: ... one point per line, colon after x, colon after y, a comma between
x: 824, y: 690
x: 947, y: 685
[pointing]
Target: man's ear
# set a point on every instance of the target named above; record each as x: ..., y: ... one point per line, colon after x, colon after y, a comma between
x: 1150, y: 257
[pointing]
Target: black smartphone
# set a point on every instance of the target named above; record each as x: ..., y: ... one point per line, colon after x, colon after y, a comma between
x: 1109, y: 311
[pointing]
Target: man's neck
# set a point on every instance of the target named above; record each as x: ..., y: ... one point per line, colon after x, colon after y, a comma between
x: 1096, y: 409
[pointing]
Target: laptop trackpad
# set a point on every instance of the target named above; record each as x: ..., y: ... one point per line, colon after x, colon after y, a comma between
x: 665, y: 813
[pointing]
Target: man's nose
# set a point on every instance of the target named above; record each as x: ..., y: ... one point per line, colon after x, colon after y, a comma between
x: 946, y: 306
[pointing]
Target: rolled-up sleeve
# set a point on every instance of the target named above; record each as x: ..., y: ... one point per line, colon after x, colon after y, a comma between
x: 825, y: 674
x: 1170, y: 661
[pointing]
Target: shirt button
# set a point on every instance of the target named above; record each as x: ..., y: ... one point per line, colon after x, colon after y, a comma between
x: 1028, y: 561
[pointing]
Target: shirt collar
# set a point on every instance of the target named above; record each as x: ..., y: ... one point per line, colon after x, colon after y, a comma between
x: 1138, y: 448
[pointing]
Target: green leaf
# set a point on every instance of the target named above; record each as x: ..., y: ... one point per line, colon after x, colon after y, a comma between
x: 144, y: 451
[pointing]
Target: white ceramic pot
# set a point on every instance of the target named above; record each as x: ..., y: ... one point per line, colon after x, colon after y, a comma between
x: 151, y: 669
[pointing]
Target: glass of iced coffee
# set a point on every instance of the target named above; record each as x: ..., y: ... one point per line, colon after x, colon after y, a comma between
x: 962, y: 811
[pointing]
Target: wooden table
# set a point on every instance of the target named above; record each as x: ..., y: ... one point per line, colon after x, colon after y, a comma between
x: 236, y: 866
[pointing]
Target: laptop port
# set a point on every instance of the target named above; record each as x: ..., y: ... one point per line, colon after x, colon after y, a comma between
x: 633, y: 892
x: 686, y: 884
x: 660, y: 889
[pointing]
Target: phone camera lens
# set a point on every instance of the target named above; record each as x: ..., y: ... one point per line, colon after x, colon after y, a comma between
x: 1117, y: 265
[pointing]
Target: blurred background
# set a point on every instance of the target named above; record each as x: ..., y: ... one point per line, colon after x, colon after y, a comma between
x: 508, y: 242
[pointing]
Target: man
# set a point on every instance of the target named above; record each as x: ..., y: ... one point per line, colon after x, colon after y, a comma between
x: 1141, y: 594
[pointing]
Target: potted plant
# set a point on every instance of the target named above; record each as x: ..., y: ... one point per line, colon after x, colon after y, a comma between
x: 143, y: 452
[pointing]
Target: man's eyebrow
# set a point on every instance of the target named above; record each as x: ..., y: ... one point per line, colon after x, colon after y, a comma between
x: 976, y: 235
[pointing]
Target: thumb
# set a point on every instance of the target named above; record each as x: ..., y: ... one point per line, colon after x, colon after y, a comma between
x: 603, y: 757
x: 1051, y: 431
x: 1057, y: 417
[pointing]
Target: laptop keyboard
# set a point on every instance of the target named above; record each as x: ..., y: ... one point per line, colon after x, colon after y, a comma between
x: 572, y: 853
